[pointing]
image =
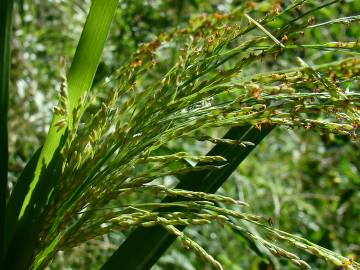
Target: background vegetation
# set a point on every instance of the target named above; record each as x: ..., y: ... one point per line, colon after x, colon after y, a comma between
x: 306, y: 181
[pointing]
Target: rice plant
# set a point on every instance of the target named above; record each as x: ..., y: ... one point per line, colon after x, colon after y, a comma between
x: 101, y: 167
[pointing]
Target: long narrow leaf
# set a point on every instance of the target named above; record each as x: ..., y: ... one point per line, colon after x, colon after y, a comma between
x: 144, y: 246
x: 80, y: 77
x: 5, y: 34
x: 38, y: 183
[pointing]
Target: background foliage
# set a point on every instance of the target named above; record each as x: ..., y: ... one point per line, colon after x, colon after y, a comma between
x: 308, y: 183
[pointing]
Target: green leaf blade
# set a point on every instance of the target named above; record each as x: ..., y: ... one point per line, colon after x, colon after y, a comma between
x: 80, y: 77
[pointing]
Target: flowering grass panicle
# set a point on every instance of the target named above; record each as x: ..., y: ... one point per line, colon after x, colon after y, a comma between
x: 217, y: 81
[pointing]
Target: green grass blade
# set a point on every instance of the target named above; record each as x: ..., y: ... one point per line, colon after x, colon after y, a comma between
x: 80, y: 76
x: 144, y: 246
x: 27, y: 229
x: 29, y: 200
x: 5, y: 34
x: 89, y: 49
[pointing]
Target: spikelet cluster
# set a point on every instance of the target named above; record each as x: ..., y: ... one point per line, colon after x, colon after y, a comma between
x: 120, y: 148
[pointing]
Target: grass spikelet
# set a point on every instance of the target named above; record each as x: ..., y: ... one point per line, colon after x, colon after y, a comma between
x: 62, y: 110
x: 190, y: 244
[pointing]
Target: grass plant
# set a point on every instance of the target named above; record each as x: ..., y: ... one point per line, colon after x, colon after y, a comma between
x: 102, y: 155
